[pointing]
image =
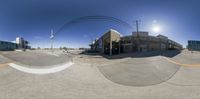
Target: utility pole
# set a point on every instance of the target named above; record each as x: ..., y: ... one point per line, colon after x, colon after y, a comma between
x: 137, y: 27
x: 138, y: 38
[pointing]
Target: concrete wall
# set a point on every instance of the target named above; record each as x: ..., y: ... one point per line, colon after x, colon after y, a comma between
x: 110, y: 39
x: 154, y: 46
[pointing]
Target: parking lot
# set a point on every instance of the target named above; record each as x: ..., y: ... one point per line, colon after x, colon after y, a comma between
x: 96, y: 76
x: 36, y: 58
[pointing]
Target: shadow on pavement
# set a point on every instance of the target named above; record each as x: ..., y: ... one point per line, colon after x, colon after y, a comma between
x: 168, y: 53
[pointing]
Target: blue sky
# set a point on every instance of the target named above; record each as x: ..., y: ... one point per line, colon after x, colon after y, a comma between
x: 33, y: 19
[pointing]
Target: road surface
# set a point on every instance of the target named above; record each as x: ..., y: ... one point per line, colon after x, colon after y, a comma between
x: 94, y: 76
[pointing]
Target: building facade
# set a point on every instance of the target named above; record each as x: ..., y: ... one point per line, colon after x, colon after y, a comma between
x: 193, y: 45
x: 7, y: 46
x: 20, y: 43
x: 113, y: 43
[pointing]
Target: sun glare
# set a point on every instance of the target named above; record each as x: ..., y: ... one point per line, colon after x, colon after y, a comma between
x: 156, y: 29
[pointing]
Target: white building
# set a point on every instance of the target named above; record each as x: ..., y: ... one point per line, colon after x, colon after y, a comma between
x: 22, y: 44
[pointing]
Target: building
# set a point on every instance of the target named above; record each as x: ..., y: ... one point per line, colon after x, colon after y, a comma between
x: 113, y: 43
x: 7, y: 46
x: 193, y: 45
x: 20, y: 43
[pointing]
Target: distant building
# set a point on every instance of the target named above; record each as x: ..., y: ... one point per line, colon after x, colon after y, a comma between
x: 113, y: 43
x: 193, y: 45
x: 20, y: 43
x: 7, y: 46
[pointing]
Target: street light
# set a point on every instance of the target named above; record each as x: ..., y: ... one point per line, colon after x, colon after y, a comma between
x: 52, y: 37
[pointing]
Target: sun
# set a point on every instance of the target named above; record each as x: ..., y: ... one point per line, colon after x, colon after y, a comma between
x: 156, y: 29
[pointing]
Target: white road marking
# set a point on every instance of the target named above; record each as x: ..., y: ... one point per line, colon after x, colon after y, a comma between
x: 40, y: 71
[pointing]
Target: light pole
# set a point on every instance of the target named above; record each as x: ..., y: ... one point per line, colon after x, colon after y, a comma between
x: 52, y: 37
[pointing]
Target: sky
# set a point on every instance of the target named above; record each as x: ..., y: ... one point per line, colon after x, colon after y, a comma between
x: 34, y: 19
